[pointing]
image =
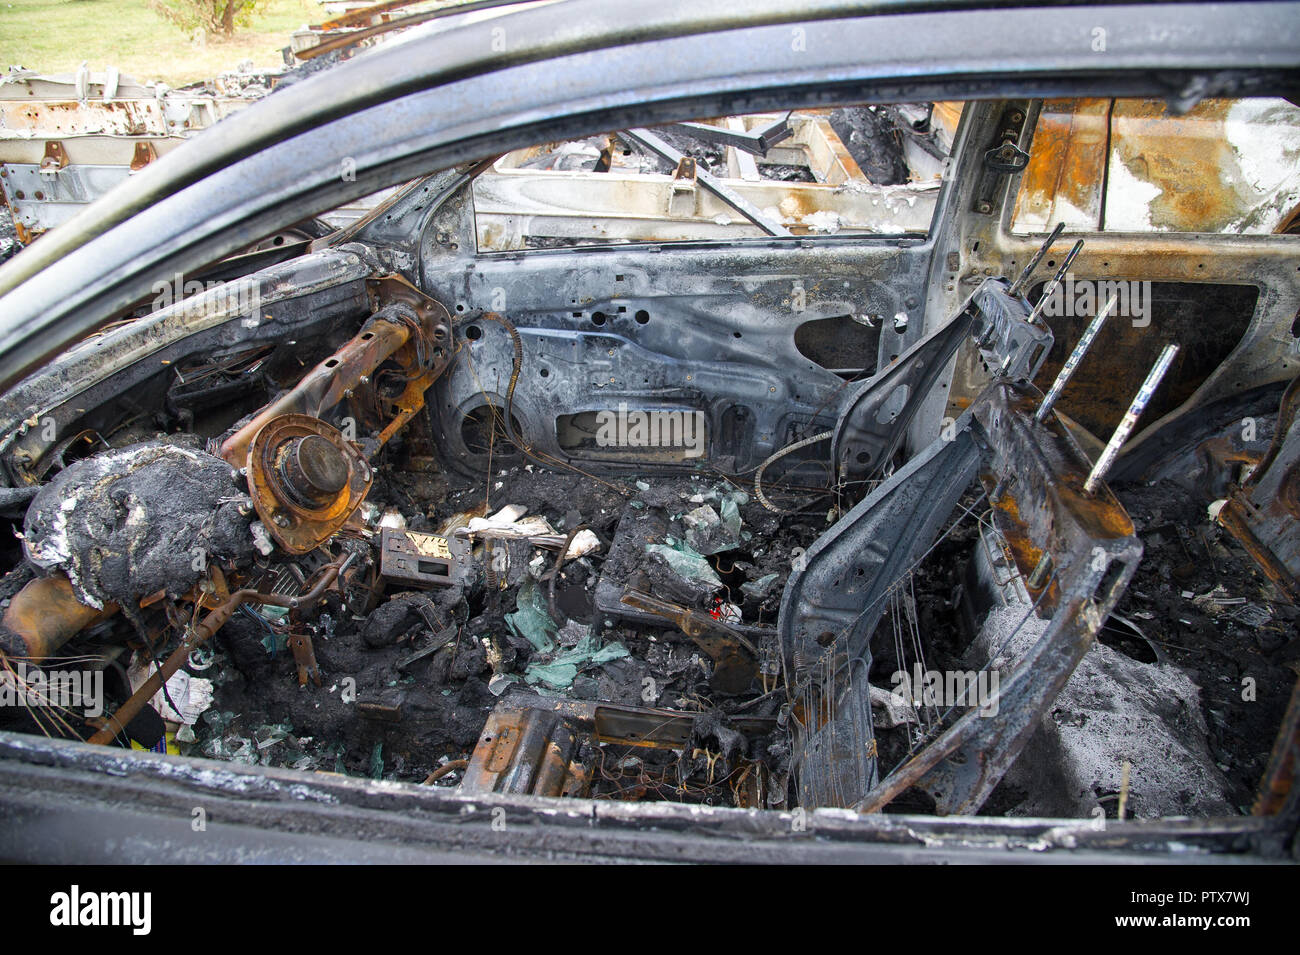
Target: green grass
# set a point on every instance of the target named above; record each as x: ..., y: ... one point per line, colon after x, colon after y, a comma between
x: 57, y: 36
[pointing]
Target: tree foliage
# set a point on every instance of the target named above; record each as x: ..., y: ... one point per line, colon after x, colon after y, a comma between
x: 212, y: 17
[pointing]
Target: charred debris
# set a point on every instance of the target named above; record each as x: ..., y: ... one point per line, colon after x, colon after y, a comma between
x: 304, y: 582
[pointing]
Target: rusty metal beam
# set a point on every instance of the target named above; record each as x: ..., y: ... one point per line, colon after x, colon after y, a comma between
x: 1264, y: 513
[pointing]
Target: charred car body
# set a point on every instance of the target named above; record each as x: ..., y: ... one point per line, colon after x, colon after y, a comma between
x: 646, y: 488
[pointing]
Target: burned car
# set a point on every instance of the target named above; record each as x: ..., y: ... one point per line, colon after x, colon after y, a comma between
x: 736, y: 437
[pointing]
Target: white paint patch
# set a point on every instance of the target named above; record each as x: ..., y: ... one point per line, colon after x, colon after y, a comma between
x: 1265, y: 135
x: 1043, y: 218
x: 1128, y: 199
x: 823, y: 221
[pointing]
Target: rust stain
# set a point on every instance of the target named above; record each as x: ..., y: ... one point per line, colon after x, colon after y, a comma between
x: 1187, y: 157
x: 118, y: 117
x: 144, y: 154
x: 1067, y: 162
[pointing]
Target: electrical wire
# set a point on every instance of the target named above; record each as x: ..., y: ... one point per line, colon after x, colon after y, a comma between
x: 758, y: 475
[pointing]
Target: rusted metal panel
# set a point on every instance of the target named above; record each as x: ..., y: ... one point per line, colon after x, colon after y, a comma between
x: 1063, y: 181
x: 1226, y: 166
x: 537, y: 746
x: 40, y: 120
x: 527, y: 751
x: 1129, y: 165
